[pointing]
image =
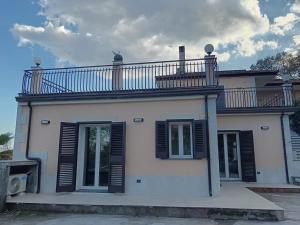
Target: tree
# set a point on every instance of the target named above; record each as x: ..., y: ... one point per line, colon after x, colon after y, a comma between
x: 5, y: 138
x: 287, y: 64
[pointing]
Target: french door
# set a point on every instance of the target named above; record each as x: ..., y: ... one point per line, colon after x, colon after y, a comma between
x: 229, y: 155
x: 93, y: 157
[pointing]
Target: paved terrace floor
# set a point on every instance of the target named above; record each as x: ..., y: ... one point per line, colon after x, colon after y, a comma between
x: 233, y: 196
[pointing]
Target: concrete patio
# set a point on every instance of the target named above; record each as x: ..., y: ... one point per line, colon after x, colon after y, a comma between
x: 290, y: 202
x: 235, y: 202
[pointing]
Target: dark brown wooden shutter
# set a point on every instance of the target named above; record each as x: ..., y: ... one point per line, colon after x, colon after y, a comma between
x: 67, y: 157
x: 200, y: 139
x: 247, y: 156
x: 116, y: 180
x: 162, y: 139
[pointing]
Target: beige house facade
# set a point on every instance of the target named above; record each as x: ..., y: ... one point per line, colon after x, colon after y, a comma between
x: 173, y: 128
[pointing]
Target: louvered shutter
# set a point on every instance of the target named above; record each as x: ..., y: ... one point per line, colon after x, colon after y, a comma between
x: 247, y: 156
x: 162, y: 139
x: 200, y: 139
x: 67, y: 157
x: 116, y: 181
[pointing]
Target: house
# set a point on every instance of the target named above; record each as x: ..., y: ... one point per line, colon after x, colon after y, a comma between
x: 167, y: 128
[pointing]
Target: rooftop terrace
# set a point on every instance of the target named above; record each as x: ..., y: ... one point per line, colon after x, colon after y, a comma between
x: 152, y: 79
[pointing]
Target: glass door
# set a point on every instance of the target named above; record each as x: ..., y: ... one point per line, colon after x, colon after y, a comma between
x: 229, y: 155
x: 95, y: 156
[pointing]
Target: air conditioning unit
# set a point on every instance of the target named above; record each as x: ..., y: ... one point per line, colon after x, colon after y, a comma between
x: 16, y: 184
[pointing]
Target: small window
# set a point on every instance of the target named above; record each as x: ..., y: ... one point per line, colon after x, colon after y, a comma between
x: 180, y: 140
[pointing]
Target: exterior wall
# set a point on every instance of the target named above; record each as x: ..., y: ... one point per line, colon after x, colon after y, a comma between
x: 237, y: 82
x: 21, y: 133
x: 295, y: 164
x: 227, y: 82
x: 297, y: 95
x: 173, y: 177
x: 180, y: 83
x: 268, y: 144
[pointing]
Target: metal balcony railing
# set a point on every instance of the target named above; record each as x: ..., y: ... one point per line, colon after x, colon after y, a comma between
x: 116, y: 77
x: 255, y: 97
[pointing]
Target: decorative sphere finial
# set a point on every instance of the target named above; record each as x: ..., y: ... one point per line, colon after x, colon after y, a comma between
x: 117, y: 56
x: 209, y: 48
x: 37, y: 61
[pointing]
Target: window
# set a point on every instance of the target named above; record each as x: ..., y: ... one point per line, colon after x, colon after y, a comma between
x: 95, y: 168
x: 180, y: 140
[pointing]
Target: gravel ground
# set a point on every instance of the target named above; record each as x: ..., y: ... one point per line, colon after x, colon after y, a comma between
x: 290, y: 202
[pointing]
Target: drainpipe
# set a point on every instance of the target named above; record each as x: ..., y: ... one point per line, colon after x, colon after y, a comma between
x: 284, y: 150
x: 208, y: 150
x: 39, y: 161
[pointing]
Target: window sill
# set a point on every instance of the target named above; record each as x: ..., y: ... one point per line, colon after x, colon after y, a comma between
x: 181, y: 158
x: 92, y: 190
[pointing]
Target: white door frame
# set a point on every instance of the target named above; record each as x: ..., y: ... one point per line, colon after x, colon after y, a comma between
x: 225, y: 133
x: 81, y: 157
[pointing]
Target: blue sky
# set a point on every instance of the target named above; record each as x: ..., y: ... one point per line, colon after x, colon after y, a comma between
x: 75, y: 32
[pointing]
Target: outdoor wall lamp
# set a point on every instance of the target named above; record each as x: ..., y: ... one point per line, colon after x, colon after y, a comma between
x: 138, y: 120
x: 264, y: 127
x: 45, y: 122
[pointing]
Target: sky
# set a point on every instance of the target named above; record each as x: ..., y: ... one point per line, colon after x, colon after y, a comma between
x: 75, y: 33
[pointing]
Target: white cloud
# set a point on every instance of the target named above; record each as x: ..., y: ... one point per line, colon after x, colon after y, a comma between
x: 248, y: 47
x: 223, y: 57
x: 23, y: 42
x: 25, y: 28
x: 296, y: 6
x: 296, y: 39
x: 283, y: 24
x: 294, y: 48
x: 86, y: 33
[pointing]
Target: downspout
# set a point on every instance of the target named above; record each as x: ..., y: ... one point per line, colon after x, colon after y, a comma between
x: 208, y: 149
x: 284, y: 150
x: 39, y: 161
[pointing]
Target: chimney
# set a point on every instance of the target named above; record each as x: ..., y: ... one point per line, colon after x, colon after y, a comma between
x: 117, y: 72
x: 181, y: 59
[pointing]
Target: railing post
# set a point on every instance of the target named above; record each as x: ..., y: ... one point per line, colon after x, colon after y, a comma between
x: 117, y: 73
x: 210, y: 66
x: 210, y: 63
x: 287, y: 90
x: 36, y: 80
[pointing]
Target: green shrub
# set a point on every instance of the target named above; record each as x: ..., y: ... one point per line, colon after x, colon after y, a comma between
x: 6, y: 155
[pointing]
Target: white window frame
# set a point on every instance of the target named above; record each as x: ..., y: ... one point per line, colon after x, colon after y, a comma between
x: 180, y: 140
x: 227, y: 178
x: 81, y: 155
